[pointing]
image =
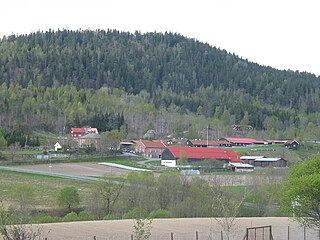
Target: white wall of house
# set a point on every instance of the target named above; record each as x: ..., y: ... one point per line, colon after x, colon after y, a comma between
x: 57, y: 146
x: 169, y: 163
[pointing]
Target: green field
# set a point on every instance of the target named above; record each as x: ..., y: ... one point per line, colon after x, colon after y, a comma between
x: 45, y: 188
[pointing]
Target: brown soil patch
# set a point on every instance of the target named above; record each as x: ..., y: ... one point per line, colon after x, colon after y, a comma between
x: 162, y: 228
x: 82, y: 169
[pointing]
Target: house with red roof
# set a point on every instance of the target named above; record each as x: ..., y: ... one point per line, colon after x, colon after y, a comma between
x: 77, y: 132
x: 151, y: 149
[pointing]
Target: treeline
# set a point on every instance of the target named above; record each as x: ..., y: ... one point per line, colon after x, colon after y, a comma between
x: 58, y: 108
x: 168, y: 75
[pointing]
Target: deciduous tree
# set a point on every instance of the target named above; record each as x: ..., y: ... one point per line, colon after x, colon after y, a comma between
x: 68, y: 198
x: 301, y: 192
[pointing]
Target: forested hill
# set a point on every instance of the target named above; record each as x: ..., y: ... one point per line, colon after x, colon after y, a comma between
x: 166, y: 68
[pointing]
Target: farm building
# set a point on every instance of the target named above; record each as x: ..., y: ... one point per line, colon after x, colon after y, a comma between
x: 126, y: 146
x: 89, y: 130
x: 291, y: 144
x: 241, y: 167
x: 244, y: 141
x: 270, y: 162
x: 250, y: 159
x: 151, y: 149
x: 90, y: 140
x: 207, y: 143
x: 172, y: 153
x: 262, y: 161
x: 77, y: 132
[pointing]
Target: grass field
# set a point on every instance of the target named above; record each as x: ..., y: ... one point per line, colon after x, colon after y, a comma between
x: 45, y: 188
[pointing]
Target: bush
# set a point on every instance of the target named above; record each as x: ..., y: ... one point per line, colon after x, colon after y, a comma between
x: 44, y: 218
x: 160, y: 213
x: 70, y: 217
x: 135, y: 213
x: 85, y: 216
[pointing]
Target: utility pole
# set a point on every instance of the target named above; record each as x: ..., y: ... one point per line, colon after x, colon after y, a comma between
x: 207, y: 136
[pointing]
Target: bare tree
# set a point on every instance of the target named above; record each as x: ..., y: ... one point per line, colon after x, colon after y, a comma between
x: 225, y: 209
x: 11, y: 229
x: 104, y: 196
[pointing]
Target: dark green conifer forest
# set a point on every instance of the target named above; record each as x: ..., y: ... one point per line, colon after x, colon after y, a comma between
x: 56, y: 80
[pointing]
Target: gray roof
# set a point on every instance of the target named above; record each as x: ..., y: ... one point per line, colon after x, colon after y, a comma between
x: 91, y: 136
x: 250, y: 157
x: 268, y: 159
x: 242, y: 165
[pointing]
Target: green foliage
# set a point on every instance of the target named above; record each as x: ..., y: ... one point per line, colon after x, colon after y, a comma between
x: 105, y: 196
x: 23, y: 195
x: 135, y: 213
x: 73, y: 217
x: 211, y: 165
x: 160, y: 213
x: 3, y: 142
x: 108, y: 79
x: 46, y: 218
x: 142, y: 229
x: 301, y: 192
x: 68, y: 198
x: 85, y: 216
x: 182, y: 160
x: 70, y: 217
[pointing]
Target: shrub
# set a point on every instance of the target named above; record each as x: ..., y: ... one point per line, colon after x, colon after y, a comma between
x: 135, y: 213
x: 70, y: 217
x: 44, y: 218
x: 85, y: 216
x: 160, y: 213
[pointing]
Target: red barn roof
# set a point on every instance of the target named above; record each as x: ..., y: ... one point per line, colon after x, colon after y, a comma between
x: 77, y: 130
x: 204, y: 153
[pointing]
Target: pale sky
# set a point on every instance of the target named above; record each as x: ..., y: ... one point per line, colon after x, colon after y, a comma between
x: 283, y: 34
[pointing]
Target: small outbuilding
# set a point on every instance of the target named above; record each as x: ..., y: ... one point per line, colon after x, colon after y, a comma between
x: 270, y: 162
x: 241, y: 167
x: 291, y: 144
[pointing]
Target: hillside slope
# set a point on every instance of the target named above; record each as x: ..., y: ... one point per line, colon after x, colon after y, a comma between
x: 166, y: 70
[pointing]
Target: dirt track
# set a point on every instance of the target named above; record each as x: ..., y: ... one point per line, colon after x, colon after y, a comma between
x: 82, y: 169
x: 162, y: 229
